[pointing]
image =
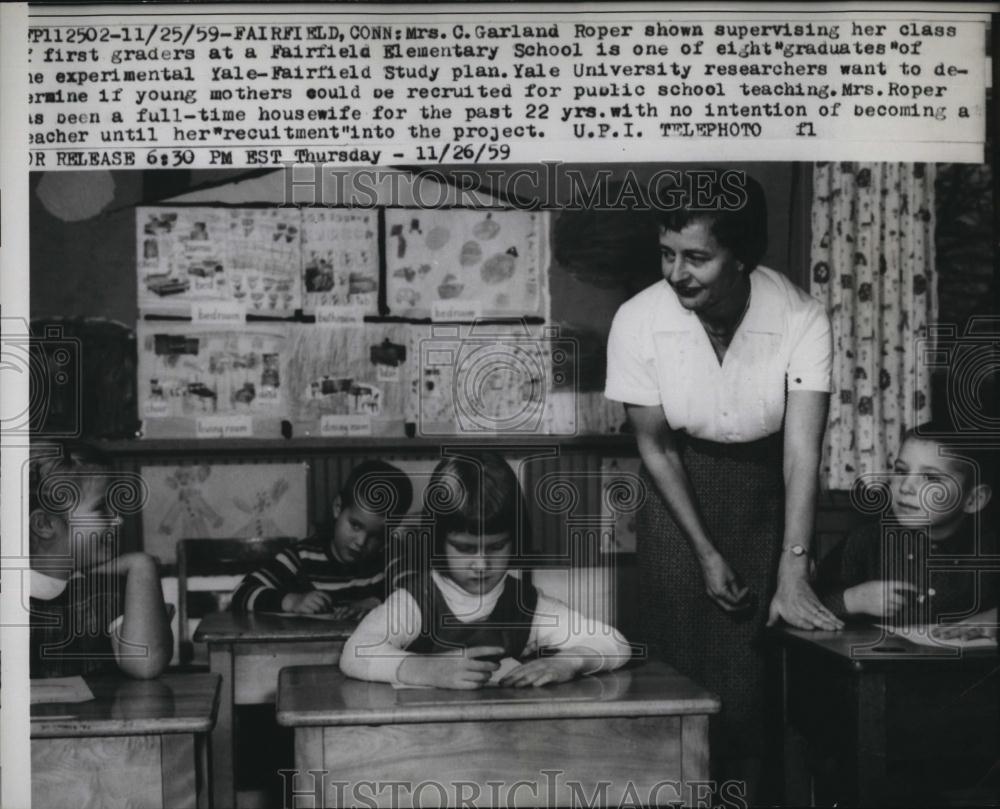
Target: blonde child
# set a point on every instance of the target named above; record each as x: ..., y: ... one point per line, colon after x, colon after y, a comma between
x: 449, y: 624
x: 91, y: 609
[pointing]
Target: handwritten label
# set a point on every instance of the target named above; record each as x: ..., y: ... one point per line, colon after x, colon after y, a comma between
x: 443, y: 310
x: 348, y: 315
x: 388, y: 373
x: 155, y: 409
x: 331, y: 426
x: 268, y: 394
x: 217, y: 314
x: 225, y: 427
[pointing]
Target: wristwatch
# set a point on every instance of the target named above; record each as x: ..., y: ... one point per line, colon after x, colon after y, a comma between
x: 795, y: 550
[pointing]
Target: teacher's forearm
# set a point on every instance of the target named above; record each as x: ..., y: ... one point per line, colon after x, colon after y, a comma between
x: 805, y: 423
x: 801, y: 488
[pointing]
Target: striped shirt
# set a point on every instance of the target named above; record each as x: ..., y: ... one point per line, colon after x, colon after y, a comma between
x: 309, y: 565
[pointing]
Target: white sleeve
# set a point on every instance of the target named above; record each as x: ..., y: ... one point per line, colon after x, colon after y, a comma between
x: 377, y: 647
x: 810, y: 364
x: 631, y: 375
x: 558, y: 626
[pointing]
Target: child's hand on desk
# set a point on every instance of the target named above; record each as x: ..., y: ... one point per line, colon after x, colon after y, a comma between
x: 451, y: 670
x: 559, y: 668
x: 877, y: 598
x: 307, y: 603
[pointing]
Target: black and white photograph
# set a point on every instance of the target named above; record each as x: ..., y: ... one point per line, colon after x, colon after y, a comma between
x: 530, y: 405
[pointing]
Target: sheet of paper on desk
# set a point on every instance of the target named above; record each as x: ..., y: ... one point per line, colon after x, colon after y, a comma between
x: 338, y: 614
x: 921, y: 634
x: 60, y: 689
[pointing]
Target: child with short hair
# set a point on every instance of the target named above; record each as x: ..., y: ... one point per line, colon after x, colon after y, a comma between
x: 448, y: 624
x: 876, y: 577
x: 91, y: 609
x: 343, y: 563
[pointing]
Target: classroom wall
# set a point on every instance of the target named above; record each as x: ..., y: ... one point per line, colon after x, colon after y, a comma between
x: 87, y: 268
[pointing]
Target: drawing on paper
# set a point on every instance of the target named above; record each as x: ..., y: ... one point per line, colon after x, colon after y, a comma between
x: 340, y: 259
x: 479, y: 379
x: 247, y: 256
x: 494, y: 258
x: 187, y: 372
x: 619, y: 503
x: 190, y: 515
x: 348, y: 371
x: 222, y: 500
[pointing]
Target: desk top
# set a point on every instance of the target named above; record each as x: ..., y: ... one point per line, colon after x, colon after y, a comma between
x: 321, y: 695
x: 261, y: 627
x: 866, y: 647
x: 172, y: 703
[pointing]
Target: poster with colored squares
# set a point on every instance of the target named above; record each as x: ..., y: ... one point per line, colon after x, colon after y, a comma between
x: 493, y: 261
x: 339, y: 259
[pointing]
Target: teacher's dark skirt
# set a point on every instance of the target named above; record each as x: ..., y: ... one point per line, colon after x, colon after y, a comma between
x: 740, y: 492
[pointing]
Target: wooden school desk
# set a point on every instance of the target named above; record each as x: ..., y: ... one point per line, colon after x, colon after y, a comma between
x: 870, y: 712
x: 141, y: 743
x: 557, y: 745
x: 247, y: 652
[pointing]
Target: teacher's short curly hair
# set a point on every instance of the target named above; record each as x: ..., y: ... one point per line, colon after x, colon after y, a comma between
x: 734, y: 205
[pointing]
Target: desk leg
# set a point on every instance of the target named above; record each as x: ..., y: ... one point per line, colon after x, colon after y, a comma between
x: 694, y: 747
x: 203, y: 750
x: 220, y: 661
x: 179, y: 771
x: 796, y: 774
x: 308, y: 779
x: 870, y: 759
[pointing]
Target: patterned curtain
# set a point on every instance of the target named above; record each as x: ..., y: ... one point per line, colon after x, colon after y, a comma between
x: 872, y: 263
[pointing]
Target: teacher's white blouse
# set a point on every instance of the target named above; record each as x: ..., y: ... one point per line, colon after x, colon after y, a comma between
x: 659, y: 353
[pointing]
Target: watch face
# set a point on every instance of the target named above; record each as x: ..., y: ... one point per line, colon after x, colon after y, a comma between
x: 797, y: 550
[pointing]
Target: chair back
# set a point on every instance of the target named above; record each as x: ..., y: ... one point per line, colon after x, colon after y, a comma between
x: 208, y: 570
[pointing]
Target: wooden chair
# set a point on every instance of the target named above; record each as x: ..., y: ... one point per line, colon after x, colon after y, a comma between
x: 208, y: 570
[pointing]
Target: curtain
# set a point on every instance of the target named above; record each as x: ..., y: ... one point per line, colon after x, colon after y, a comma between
x: 872, y: 261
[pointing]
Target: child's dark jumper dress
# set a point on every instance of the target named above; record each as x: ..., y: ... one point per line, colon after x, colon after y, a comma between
x: 509, y: 625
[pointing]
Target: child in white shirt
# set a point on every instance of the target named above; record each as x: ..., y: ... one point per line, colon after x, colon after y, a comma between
x: 450, y: 623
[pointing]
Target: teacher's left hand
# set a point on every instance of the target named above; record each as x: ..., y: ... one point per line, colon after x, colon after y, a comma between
x: 796, y: 603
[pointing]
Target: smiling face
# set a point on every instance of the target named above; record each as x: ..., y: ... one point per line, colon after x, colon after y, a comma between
x: 930, y: 488
x: 357, y: 534
x: 477, y: 563
x: 705, y: 275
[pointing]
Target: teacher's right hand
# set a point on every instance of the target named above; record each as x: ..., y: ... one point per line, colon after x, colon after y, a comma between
x: 722, y: 584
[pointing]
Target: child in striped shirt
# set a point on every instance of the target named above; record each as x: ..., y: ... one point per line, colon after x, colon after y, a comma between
x: 343, y: 564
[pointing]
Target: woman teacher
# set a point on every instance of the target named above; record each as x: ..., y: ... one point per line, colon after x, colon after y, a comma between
x: 724, y: 369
